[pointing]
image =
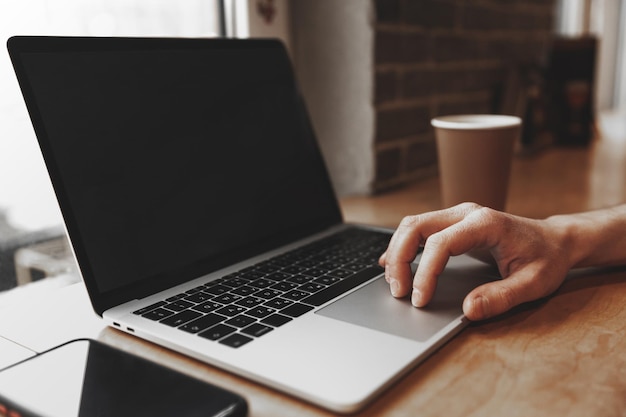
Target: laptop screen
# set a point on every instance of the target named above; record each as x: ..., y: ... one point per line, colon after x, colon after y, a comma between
x: 172, y: 158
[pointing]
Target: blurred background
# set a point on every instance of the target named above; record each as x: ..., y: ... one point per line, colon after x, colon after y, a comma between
x: 373, y: 74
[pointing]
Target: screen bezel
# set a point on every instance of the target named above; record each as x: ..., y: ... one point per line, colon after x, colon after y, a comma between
x: 103, y: 300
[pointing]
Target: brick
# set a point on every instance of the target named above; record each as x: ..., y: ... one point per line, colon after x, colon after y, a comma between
x: 457, y: 47
x: 421, y: 154
x: 418, y: 83
x: 506, y: 17
x: 433, y: 14
x: 416, y: 47
x: 385, y: 86
x: 465, y: 107
x: 401, y: 47
x: 513, y: 50
x: 533, y: 21
x: 398, y: 123
x: 388, y: 164
x: 387, y: 47
x: 387, y: 11
x: 459, y: 81
x: 476, y: 17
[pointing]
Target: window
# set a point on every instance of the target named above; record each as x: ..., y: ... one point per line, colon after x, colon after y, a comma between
x: 28, y: 208
x: 606, y: 20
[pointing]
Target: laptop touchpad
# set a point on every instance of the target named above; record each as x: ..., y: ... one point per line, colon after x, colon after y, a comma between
x: 373, y: 306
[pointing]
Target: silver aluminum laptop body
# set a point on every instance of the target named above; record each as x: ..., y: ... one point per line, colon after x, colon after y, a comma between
x: 178, y: 163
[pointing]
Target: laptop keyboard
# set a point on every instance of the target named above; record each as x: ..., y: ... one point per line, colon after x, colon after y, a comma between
x: 245, y: 305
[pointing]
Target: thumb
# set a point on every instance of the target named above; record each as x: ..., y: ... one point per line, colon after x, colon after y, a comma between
x: 497, y: 297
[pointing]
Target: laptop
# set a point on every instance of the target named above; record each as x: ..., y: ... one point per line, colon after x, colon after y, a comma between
x: 203, y: 219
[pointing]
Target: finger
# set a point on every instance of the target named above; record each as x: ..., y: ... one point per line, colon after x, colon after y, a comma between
x: 403, y: 248
x: 382, y: 260
x: 407, y: 239
x: 474, y: 231
x: 497, y: 297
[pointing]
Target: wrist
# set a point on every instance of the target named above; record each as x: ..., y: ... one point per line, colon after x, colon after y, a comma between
x: 593, y: 238
x: 568, y: 235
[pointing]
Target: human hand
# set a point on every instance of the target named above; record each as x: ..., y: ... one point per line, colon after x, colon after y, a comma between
x: 531, y: 255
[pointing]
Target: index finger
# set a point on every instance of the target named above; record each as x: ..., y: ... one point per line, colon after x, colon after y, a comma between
x: 475, y: 230
x: 404, y: 245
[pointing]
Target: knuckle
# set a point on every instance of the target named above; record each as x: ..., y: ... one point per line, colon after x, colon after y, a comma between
x: 438, y: 240
x: 469, y: 207
x: 486, y: 216
x: 507, y: 296
x: 410, y: 222
x: 485, y: 213
x: 393, y: 258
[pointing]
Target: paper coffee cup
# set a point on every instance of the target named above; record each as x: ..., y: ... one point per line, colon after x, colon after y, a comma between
x: 475, y: 154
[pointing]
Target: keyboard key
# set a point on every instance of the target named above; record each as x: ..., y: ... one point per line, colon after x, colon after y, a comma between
x: 250, y: 275
x: 283, y: 260
x: 158, y: 314
x: 294, y: 269
x: 208, y: 306
x: 329, y: 266
x: 326, y: 280
x: 267, y: 267
x: 144, y: 310
x: 195, y: 290
x: 213, y: 283
x: 356, y: 267
x: 199, y: 297
x: 296, y: 295
x: 296, y: 310
x: 278, y: 303
x: 179, y: 305
x: 231, y: 310
x: 307, y: 263
x: 342, y: 286
x: 236, y: 340
x: 235, y: 282
x: 315, y: 272
x: 176, y: 297
x: 340, y: 273
x: 278, y: 276
x: 257, y: 330
x: 260, y: 311
x: 202, y: 323
x: 181, y: 318
x: 312, y: 287
x: 245, y: 290
x: 250, y: 302
x: 226, y: 298
x: 262, y: 283
x: 217, y: 332
x: 268, y: 293
x: 276, y: 320
x: 217, y: 289
x: 240, y: 321
x: 284, y: 286
x: 299, y: 279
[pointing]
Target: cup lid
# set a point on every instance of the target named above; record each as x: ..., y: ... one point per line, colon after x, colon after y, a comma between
x: 476, y: 121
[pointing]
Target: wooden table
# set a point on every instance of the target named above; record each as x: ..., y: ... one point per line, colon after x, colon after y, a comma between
x: 565, y: 355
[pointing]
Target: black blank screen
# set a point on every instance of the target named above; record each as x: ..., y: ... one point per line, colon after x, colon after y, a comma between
x: 167, y: 161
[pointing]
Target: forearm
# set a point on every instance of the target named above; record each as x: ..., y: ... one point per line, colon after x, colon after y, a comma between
x: 594, y: 238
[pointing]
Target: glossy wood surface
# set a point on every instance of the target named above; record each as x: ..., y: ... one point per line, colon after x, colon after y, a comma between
x: 565, y: 355
x: 552, y: 181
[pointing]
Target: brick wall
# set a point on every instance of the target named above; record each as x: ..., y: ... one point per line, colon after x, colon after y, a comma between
x: 435, y: 57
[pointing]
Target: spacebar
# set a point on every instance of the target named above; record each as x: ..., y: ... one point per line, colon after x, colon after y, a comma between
x: 341, y: 287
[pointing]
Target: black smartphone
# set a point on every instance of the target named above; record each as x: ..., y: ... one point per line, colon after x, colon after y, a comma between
x: 88, y: 378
